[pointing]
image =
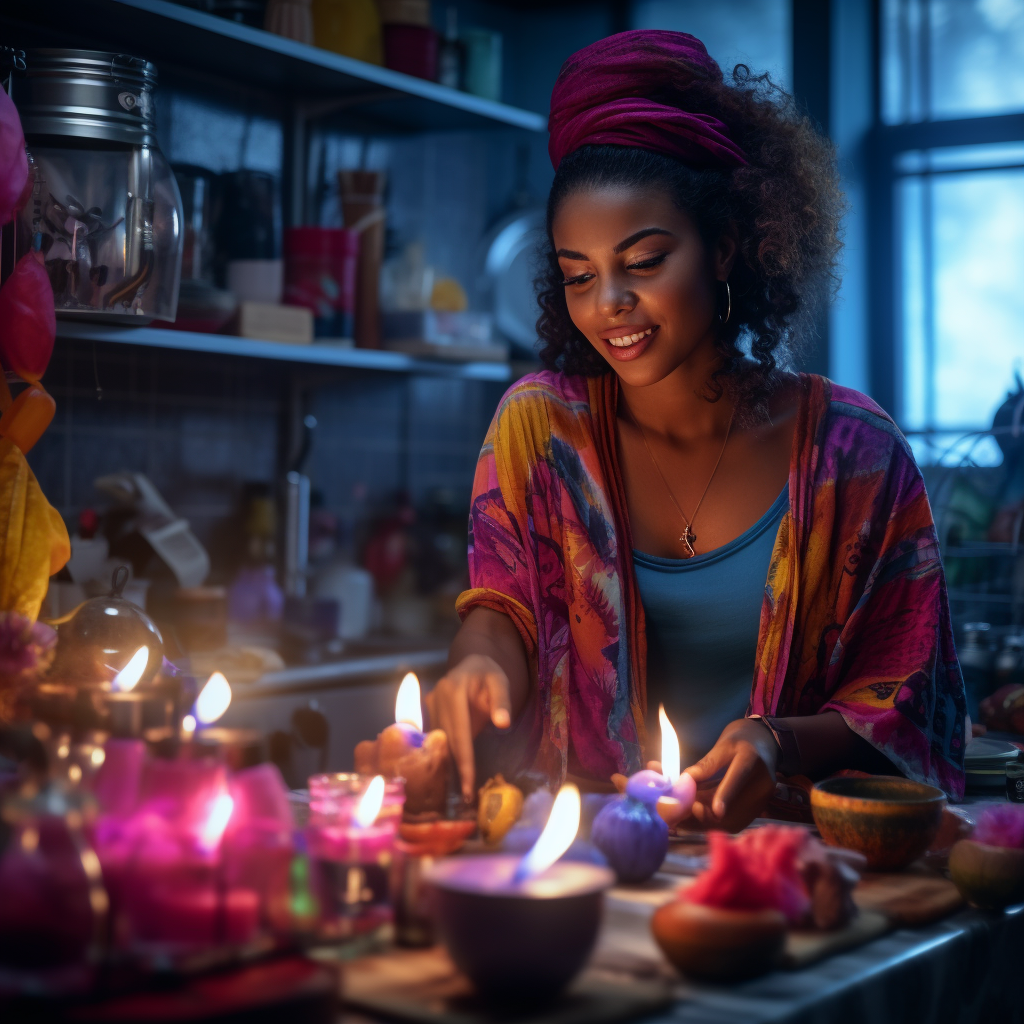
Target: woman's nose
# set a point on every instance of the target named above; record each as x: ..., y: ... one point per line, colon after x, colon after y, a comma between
x: 614, y: 297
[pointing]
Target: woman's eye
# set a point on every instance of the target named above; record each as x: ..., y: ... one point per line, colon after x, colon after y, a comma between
x: 579, y: 279
x: 648, y: 263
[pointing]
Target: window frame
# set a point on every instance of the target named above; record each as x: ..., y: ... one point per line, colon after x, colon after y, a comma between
x: 885, y: 145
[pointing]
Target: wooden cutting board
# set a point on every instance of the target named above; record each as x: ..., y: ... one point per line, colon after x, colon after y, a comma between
x: 906, y: 899
x: 909, y: 899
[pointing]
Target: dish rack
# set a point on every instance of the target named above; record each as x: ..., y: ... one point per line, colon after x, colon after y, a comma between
x: 979, y: 517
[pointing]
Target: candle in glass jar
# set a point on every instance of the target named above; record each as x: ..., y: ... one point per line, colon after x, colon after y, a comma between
x: 354, y: 861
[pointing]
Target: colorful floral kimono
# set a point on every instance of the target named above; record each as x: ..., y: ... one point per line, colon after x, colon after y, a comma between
x: 855, y: 615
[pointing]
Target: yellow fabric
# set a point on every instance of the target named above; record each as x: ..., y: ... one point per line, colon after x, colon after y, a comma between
x: 34, y: 541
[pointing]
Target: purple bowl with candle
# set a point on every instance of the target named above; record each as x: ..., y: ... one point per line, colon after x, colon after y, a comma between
x: 523, y: 940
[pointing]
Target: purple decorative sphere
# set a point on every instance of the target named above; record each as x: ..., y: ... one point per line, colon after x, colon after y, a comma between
x: 633, y: 838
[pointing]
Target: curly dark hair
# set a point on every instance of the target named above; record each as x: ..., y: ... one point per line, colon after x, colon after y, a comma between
x: 785, y: 206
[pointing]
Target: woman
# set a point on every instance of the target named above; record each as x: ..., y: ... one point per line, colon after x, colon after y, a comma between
x: 663, y: 514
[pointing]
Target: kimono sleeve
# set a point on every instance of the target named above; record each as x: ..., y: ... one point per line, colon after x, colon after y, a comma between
x: 894, y: 672
x: 500, y: 574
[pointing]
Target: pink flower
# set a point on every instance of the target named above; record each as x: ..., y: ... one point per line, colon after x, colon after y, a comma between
x: 26, y: 648
x: 1001, y: 825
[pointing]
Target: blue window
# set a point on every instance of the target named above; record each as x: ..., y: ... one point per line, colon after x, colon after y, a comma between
x: 951, y: 188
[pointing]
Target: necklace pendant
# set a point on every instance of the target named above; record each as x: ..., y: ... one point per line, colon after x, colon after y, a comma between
x: 689, y: 538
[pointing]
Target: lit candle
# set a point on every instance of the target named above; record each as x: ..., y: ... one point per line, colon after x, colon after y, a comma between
x: 632, y: 830
x: 213, y: 700
x: 670, y: 791
x: 125, y: 706
x: 127, y: 679
x: 505, y: 918
x: 403, y: 751
x: 354, y: 861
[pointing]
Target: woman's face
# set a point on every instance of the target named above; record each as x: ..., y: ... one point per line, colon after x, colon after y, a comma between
x: 641, y: 284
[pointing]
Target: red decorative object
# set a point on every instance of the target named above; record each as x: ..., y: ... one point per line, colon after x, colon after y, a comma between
x: 14, y: 178
x: 29, y: 322
x: 411, y: 49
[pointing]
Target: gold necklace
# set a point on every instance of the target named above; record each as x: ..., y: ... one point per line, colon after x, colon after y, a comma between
x: 688, y: 537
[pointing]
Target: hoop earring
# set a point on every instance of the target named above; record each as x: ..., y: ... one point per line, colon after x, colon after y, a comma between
x: 723, y: 320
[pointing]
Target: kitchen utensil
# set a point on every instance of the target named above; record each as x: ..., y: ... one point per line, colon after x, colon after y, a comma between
x: 511, y: 252
x: 362, y: 205
x: 892, y: 821
x: 105, y: 207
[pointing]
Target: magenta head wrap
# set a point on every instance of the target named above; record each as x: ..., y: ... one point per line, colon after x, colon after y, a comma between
x: 603, y: 96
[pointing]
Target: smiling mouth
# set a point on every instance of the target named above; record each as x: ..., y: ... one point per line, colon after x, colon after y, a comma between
x: 626, y: 340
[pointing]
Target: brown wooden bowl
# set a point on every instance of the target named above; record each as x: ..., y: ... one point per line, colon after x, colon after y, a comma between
x: 989, y: 877
x: 892, y: 821
x: 719, y: 945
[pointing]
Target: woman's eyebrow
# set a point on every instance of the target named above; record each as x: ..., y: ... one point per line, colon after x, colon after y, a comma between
x: 571, y: 254
x: 636, y: 236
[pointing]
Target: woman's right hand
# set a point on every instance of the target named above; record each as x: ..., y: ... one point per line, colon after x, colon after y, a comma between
x: 472, y: 694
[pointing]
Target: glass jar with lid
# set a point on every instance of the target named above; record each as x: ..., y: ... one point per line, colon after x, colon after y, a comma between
x: 105, y: 208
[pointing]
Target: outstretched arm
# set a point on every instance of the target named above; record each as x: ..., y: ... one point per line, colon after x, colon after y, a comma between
x: 488, y: 680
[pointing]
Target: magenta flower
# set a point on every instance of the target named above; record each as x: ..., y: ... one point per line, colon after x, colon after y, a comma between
x: 26, y: 648
x: 1001, y: 825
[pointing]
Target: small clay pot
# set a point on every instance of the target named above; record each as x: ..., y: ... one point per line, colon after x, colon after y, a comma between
x: 890, y: 820
x: 719, y: 945
x: 988, y: 877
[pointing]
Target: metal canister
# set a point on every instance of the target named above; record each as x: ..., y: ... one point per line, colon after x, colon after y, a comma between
x: 1015, y: 782
x: 977, y: 657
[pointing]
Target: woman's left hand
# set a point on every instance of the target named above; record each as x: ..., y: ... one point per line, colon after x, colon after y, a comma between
x: 747, y: 753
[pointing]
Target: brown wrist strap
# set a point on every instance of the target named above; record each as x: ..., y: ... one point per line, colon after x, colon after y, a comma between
x: 789, y: 762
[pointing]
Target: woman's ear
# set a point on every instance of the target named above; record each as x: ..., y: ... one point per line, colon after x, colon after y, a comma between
x: 725, y: 251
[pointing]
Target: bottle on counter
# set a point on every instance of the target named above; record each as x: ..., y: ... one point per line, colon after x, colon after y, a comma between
x: 451, y: 54
x: 1009, y: 663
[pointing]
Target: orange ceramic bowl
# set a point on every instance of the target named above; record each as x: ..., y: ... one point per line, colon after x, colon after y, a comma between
x: 892, y: 821
x: 718, y: 945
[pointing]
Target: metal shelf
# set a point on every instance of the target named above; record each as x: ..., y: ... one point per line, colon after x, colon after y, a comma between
x: 378, y: 100
x: 316, y: 354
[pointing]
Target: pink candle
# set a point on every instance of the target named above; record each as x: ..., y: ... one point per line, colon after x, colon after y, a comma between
x: 202, y: 916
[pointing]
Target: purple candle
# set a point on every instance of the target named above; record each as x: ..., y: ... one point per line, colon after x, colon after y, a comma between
x: 507, y: 919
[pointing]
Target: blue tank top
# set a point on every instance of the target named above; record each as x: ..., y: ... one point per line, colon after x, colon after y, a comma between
x: 703, y: 616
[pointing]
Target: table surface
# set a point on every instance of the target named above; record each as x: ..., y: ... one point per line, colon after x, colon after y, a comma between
x: 966, y: 968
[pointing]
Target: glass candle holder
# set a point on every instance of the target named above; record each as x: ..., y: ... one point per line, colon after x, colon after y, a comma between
x: 352, y: 863
x: 333, y: 798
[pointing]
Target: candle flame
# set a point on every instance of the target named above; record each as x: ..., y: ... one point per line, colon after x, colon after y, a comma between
x: 128, y: 678
x: 212, y: 830
x: 370, y: 804
x: 214, y: 699
x: 669, y: 747
x: 188, y: 725
x: 407, y: 706
x: 559, y: 832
